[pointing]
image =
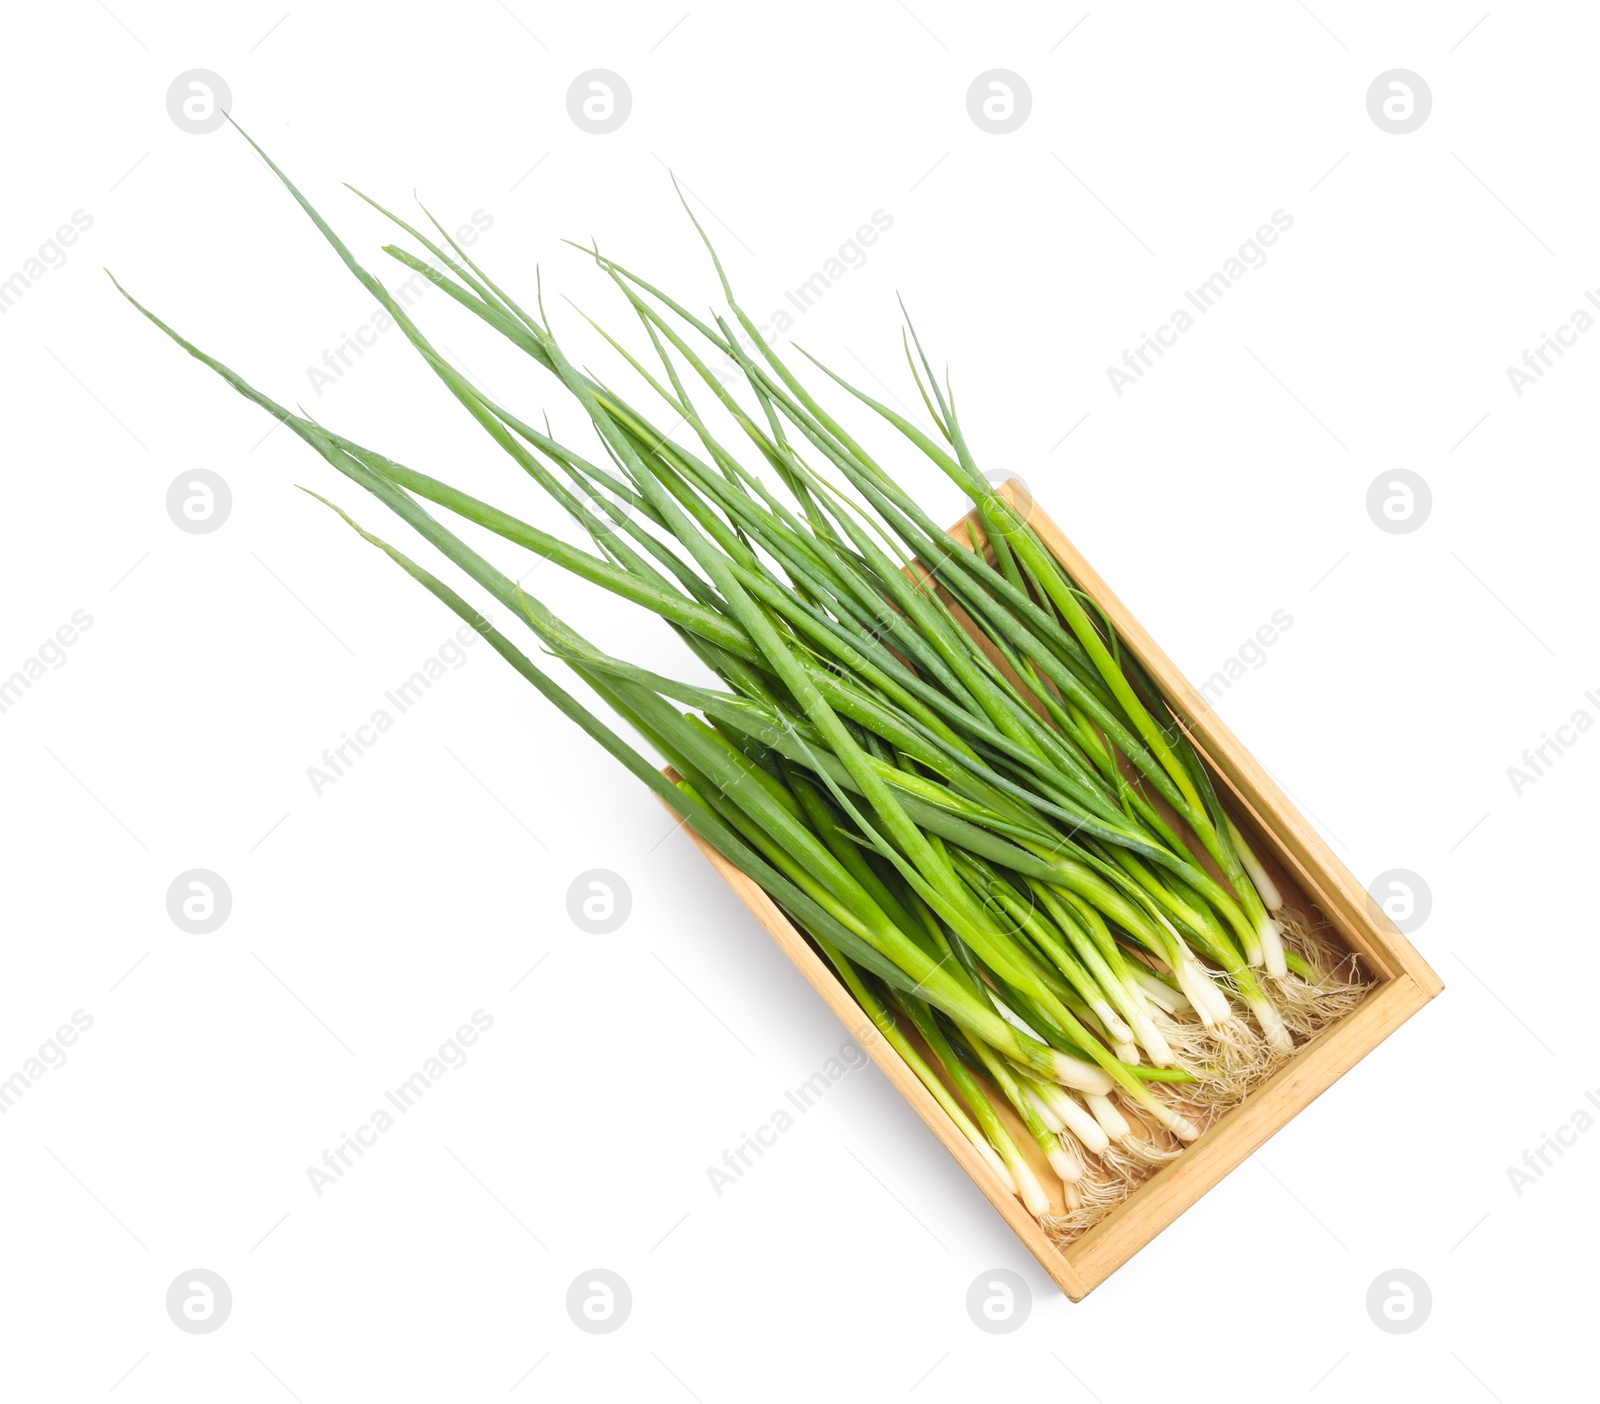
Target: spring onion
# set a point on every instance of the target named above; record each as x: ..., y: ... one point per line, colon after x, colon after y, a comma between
x: 932, y: 750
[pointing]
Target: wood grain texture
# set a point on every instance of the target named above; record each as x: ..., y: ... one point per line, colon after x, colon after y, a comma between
x: 1313, y: 879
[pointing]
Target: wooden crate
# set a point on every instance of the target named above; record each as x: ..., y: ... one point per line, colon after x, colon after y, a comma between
x: 1311, y: 879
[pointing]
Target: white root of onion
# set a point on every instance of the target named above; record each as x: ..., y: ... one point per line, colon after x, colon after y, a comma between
x: 1116, y: 1027
x: 1209, y: 1002
x: 986, y: 1153
x: 1151, y: 1040
x: 1085, y: 1077
x: 1046, y: 1111
x: 1065, y: 1166
x: 1272, y: 1025
x: 1080, y: 1123
x: 1034, y: 1199
x: 1159, y: 993
x: 1016, y: 1021
x: 1266, y: 888
x: 1111, y: 1121
x: 1271, y: 938
x: 1181, y: 1127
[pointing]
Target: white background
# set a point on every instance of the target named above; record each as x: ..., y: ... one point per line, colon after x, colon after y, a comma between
x: 369, y: 922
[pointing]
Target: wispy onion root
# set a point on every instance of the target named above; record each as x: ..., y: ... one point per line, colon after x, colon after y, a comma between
x: 1134, y: 1158
x: 1334, y: 989
x: 1109, y: 1178
x: 1226, y: 1060
x: 1096, y: 1196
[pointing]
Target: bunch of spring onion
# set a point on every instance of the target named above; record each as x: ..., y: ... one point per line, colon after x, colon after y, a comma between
x: 948, y: 773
